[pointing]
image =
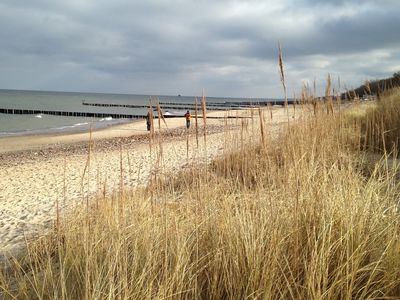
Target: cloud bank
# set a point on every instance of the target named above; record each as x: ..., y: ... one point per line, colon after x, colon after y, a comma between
x: 175, y: 47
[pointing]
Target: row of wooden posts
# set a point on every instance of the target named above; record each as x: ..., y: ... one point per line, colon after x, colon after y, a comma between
x: 165, y: 105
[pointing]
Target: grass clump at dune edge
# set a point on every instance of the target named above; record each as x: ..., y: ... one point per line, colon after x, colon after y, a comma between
x: 292, y: 217
x: 381, y: 124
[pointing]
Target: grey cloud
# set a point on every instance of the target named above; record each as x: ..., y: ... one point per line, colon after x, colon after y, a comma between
x: 228, y: 46
x: 343, y: 2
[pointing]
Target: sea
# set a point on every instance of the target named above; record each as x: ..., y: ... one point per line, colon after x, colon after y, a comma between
x: 14, y: 125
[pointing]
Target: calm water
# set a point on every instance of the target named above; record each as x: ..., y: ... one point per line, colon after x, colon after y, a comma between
x: 63, y: 101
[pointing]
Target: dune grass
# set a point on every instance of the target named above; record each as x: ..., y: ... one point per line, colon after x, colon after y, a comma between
x: 293, y: 217
x: 381, y: 123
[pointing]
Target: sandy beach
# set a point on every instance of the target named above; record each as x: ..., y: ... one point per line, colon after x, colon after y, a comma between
x: 40, y: 171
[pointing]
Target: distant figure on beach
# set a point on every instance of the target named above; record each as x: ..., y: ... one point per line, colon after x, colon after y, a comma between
x: 187, y: 117
x: 148, y: 121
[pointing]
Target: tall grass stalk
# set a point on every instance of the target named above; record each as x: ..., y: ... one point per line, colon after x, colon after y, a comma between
x: 328, y: 97
x: 282, y: 76
x: 151, y: 132
x: 204, y: 114
x: 159, y: 115
x: 196, y: 124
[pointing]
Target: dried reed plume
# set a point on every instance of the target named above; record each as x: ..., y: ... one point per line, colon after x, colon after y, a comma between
x: 282, y: 75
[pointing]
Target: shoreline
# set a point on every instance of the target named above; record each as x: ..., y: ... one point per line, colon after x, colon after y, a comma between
x: 67, y: 129
x: 37, y: 141
x: 11, y: 144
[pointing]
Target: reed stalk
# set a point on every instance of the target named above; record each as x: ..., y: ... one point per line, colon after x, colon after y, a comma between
x: 282, y: 76
x: 196, y: 125
x: 204, y: 113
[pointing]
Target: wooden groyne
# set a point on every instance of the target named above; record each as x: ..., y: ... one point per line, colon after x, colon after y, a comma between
x: 211, y: 105
x: 260, y: 103
x: 114, y: 105
x: 19, y: 111
x: 233, y: 105
x: 164, y: 106
x: 192, y: 105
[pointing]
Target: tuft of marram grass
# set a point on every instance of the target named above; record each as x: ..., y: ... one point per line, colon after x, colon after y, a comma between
x: 381, y: 124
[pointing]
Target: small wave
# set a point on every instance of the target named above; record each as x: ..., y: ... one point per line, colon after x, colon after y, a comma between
x: 79, y: 124
x: 61, y: 128
x: 39, y: 116
x: 106, y: 119
x: 5, y: 133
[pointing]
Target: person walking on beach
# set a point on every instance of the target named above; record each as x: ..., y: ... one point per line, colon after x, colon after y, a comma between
x: 148, y: 121
x: 187, y: 117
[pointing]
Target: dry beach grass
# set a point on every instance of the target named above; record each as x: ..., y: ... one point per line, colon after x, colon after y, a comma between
x: 293, y: 217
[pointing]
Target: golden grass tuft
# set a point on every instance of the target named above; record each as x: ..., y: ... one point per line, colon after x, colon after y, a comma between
x: 381, y: 124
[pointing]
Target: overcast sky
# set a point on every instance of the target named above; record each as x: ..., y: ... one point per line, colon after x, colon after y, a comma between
x: 228, y: 48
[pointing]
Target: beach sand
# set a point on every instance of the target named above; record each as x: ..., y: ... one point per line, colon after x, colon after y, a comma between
x: 40, y: 172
